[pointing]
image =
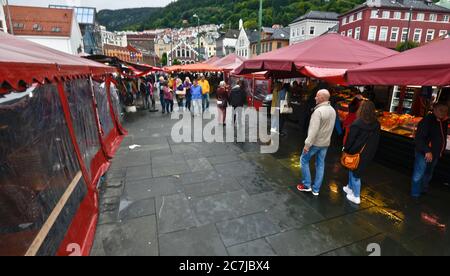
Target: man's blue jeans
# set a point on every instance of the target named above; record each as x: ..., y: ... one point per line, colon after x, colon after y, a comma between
x: 423, y: 173
x: 354, y: 184
x: 205, y: 102
x: 305, y: 159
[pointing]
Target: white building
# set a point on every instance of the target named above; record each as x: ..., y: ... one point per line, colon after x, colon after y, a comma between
x: 311, y: 25
x: 3, y: 26
x: 114, y: 38
x: 184, y: 53
x: 226, y: 44
x: 244, y: 41
x: 54, y: 28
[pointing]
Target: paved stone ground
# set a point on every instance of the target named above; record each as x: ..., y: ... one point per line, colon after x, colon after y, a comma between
x: 221, y: 199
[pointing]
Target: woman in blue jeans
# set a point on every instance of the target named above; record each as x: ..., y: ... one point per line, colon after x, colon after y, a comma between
x: 363, y: 138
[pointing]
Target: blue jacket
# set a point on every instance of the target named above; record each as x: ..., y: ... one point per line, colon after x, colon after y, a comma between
x: 196, y: 92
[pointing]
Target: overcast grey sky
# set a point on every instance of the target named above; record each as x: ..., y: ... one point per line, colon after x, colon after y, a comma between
x: 99, y: 4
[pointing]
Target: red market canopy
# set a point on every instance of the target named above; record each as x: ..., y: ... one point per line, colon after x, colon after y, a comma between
x: 211, y: 60
x: 230, y: 62
x: 198, y: 67
x: 326, y: 52
x: 25, y: 61
x: 428, y: 65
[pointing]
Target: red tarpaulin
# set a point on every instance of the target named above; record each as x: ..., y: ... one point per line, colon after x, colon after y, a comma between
x: 198, y: 67
x: 211, y: 60
x: 75, y: 122
x: 329, y: 51
x: 428, y: 65
x: 41, y: 63
x: 230, y: 62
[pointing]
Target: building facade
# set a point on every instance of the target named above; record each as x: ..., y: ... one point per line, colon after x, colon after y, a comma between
x: 390, y: 22
x: 271, y: 42
x: 311, y: 25
x: 90, y: 29
x: 226, y: 44
x: 128, y: 54
x: 113, y: 38
x: 184, y: 53
x: 244, y: 41
x: 53, y: 28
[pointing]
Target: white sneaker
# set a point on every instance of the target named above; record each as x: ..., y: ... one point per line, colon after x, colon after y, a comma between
x: 315, y: 194
x: 347, y: 190
x: 352, y: 198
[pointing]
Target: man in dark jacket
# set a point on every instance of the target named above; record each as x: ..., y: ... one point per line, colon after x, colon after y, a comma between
x: 431, y: 142
x: 238, y: 99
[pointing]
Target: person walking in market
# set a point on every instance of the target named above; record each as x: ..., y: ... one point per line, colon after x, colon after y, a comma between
x: 168, y: 98
x: 363, y: 139
x: 180, y: 95
x: 321, y: 128
x: 431, y: 142
x: 222, y: 101
x: 187, y: 85
x: 160, y: 88
x: 206, y: 89
x: 238, y: 98
x: 196, y: 91
x: 353, y: 108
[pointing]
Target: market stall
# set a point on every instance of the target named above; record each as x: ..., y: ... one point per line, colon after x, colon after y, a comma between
x: 419, y: 77
x: 53, y: 150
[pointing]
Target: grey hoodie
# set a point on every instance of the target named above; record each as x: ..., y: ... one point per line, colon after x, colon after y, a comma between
x: 321, y: 126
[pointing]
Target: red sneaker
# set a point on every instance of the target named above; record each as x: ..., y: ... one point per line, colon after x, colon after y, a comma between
x: 303, y: 188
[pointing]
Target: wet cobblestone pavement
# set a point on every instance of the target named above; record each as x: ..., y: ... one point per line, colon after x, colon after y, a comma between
x: 200, y: 199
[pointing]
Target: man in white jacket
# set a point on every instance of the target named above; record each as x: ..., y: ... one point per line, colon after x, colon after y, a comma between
x: 319, y: 139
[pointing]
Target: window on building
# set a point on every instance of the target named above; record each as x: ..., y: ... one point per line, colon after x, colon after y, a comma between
x: 446, y: 18
x: 56, y: 29
x: 358, y: 33
x: 359, y: 16
x: 442, y: 33
x: 270, y: 47
x: 417, y: 35
x: 407, y: 15
x: 344, y: 20
x: 312, y: 30
x: 279, y: 45
x: 18, y: 26
x: 374, y: 14
x: 178, y: 53
x: 405, y: 33
x: 397, y: 15
x: 343, y: 33
x: 386, y: 14
x: 433, y: 17
x: 293, y: 33
x: 1, y: 24
x: 384, y: 33
x: 372, y: 33
x: 188, y: 53
x: 37, y: 27
x: 350, y: 33
x: 303, y: 30
x: 394, y: 33
x: 430, y: 35
x: 351, y: 18
x: 420, y: 17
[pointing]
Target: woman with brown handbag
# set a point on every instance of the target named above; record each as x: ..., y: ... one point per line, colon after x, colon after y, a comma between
x: 360, y: 148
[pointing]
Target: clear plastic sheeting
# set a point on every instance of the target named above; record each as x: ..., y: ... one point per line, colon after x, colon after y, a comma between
x: 104, y: 113
x: 37, y: 164
x: 79, y: 96
x: 117, y: 107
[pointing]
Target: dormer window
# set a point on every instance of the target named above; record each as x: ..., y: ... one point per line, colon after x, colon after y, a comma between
x: 56, y: 30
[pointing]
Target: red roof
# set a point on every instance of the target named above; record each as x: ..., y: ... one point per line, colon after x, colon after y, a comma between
x: 37, y: 21
x: 212, y: 60
x: 428, y: 65
x: 330, y: 51
x: 198, y: 67
x: 22, y: 60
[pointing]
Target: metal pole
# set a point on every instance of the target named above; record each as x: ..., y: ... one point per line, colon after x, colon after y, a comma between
x: 258, y: 50
x: 11, y: 27
x: 409, y: 25
x: 198, y: 37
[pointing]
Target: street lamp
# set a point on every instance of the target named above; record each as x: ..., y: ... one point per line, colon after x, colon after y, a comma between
x: 409, y: 25
x: 198, y: 35
x: 11, y: 27
x: 258, y: 50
